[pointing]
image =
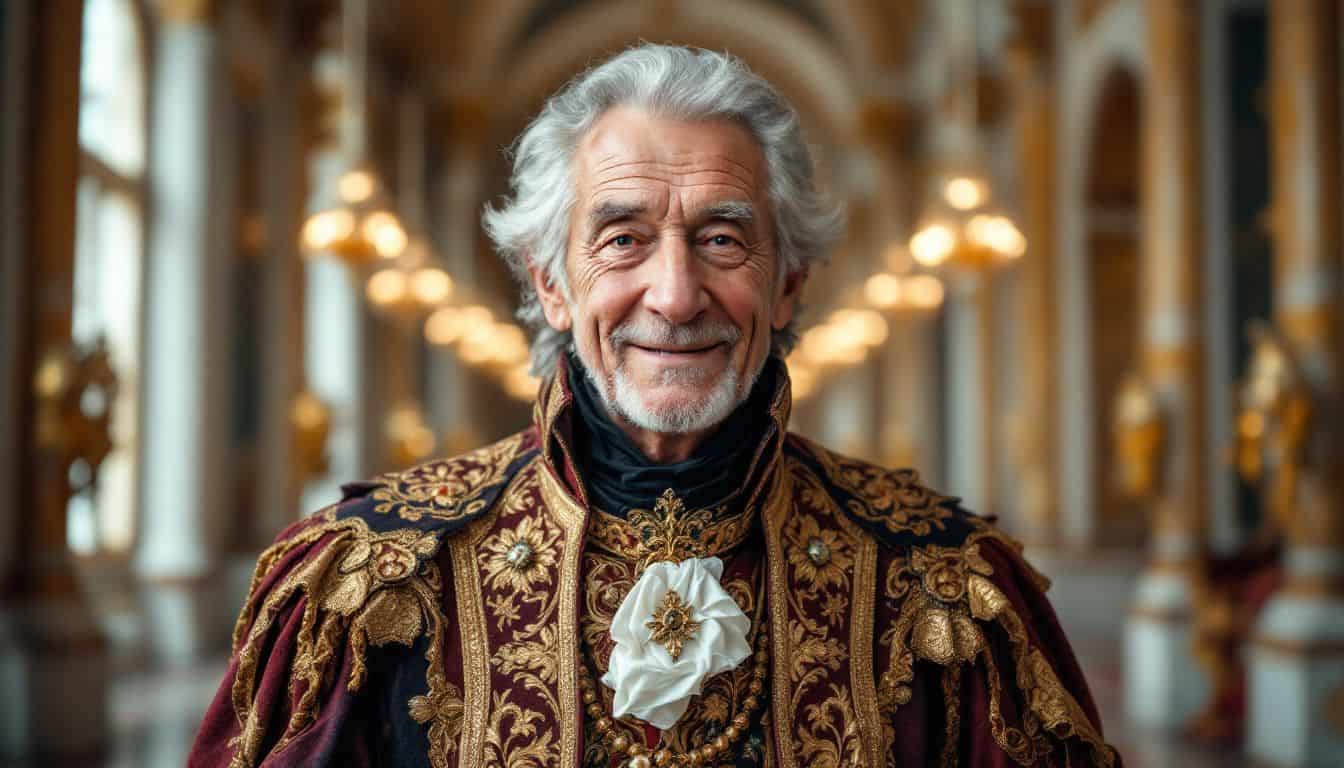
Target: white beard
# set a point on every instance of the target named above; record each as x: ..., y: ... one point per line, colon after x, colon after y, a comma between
x: 621, y: 396
x: 677, y: 419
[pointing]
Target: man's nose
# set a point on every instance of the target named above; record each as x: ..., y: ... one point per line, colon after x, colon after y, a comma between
x: 675, y: 287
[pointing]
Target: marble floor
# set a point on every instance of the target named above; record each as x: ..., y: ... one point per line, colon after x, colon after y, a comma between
x: 155, y: 715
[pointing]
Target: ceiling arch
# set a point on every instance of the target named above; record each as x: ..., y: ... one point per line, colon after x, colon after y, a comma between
x: 868, y: 32
x: 781, y: 47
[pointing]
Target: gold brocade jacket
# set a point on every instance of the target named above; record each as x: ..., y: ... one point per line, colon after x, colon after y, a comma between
x: 441, y: 616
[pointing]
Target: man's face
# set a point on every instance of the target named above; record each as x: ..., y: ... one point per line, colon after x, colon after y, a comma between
x: 672, y: 268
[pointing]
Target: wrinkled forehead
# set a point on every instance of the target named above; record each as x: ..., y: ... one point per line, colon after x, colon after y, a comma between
x: 630, y: 152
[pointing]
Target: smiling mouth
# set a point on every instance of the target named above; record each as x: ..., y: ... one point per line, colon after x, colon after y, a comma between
x: 678, y: 351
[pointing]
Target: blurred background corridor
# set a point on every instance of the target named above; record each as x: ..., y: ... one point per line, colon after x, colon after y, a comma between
x: 1092, y: 283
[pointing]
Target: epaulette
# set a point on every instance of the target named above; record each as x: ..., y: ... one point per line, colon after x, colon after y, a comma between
x: 440, y: 496
x: 362, y: 573
x: 951, y: 605
x: 892, y: 505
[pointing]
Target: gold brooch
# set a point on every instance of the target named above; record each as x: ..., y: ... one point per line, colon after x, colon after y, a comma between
x: 672, y: 624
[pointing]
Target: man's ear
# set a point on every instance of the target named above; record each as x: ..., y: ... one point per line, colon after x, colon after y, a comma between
x: 553, y: 302
x: 787, y: 302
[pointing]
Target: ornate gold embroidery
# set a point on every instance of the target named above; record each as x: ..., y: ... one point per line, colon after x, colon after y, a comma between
x: 442, y: 707
x: 944, y: 570
x: 519, y: 713
x: 620, y: 537
x: 519, y: 736
x: 832, y: 571
x: 831, y: 732
x: 863, y: 678
x: 571, y: 518
x: 952, y: 726
x: 669, y: 532
x: 607, y: 580
x: 945, y: 593
x: 447, y: 489
x: 475, y: 656
x: 520, y: 558
x: 369, y: 588
x: 777, y: 583
x: 892, y: 497
x: 609, y: 574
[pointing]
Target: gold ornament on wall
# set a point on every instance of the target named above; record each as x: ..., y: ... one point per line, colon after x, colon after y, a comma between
x: 310, y: 420
x: 1139, y: 429
x: 1272, y: 421
x: 75, y: 389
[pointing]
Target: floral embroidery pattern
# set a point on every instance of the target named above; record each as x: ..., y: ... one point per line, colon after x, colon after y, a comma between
x: 517, y: 569
x: 447, y: 489
x: 820, y: 559
x: 801, y: 533
x: 506, y: 569
x: 894, y: 498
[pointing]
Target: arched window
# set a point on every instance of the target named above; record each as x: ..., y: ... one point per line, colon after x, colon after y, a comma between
x: 109, y: 227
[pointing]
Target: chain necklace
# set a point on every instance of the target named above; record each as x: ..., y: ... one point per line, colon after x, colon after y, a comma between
x: 636, y: 755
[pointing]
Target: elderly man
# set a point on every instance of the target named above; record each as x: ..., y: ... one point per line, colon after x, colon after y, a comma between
x: 656, y: 573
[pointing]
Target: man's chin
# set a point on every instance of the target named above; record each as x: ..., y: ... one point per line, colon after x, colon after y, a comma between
x: 677, y: 409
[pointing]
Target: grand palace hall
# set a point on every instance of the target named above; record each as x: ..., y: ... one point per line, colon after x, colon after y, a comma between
x: 1091, y: 282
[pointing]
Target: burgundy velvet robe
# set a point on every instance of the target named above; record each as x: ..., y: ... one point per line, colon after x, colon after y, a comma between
x: 393, y: 628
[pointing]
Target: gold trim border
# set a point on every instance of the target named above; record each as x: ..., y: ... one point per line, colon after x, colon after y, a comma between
x: 782, y: 714
x: 475, y: 657
x: 573, y: 520
x: 863, y: 680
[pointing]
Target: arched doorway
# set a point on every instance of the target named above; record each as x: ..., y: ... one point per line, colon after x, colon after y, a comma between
x: 1112, y: 238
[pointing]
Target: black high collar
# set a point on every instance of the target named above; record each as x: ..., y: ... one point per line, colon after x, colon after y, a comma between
x: 618, y: 476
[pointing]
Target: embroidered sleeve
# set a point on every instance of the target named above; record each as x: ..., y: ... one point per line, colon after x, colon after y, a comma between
x: 323, y: 594
x: 973, y: 631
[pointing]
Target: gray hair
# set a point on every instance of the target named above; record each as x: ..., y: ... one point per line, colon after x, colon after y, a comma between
x: 672, y: 81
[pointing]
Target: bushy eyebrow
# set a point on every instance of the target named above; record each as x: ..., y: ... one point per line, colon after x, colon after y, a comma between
x: 610, y: 211
x: 736, y: 211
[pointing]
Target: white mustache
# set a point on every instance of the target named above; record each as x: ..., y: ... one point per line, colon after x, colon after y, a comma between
x: 653, y: 333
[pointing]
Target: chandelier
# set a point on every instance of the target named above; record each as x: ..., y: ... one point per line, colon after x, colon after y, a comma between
x: 960, y: 228
x: 356, y: 223
x: 897, y: 289
x: 480, y: 339
x: 412, y: 285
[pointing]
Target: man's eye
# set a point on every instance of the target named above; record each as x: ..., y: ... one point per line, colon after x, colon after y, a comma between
x: 722, y: 241
x: 624, y: 241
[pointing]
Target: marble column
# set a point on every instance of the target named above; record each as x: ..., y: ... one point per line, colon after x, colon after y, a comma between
x: 1035, y: 421
x: 1164, y: 685
x: 1297, y: 656
x: 911, y: 433
x: 969, y: 391
x: 282, y: 205
x: 907, y: 393
x: 53, y: 658
x: 184, y: 397
x: 336, y: 332
x: 455, y: 221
